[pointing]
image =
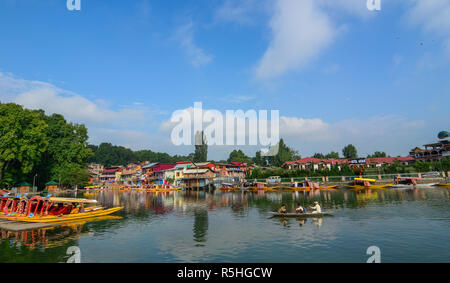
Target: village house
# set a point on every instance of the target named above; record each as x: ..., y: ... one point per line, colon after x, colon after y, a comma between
x: 198, y: 177
x: 52, y: 186
x: 95, y: 170
x: 158, y: 176
x: 131, y: 174
x: 23, y: 187
x: 383, y: 161
x: 312, y: 163
x: 432, y: 152
x: 177, y: 173
x: 111, y: 175
x: 233, y: 170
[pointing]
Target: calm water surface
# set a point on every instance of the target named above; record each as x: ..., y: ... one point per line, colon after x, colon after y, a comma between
x: 407, y: 225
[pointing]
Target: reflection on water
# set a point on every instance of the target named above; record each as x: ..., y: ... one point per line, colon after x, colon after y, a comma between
x: 200, y: 225
x: 235, y: 227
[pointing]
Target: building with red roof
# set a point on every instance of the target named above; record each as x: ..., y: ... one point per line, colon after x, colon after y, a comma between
x: 313, y: 163
x: 318, y: 164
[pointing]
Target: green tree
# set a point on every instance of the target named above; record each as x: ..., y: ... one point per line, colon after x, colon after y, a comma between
x: 22, y: 139
x: 74, y: 175
x: 319, y: 156
x: 284, y: 154
x: 377, y: 154
x: 201, y: 148
x: 239, y: 156
x: 259, y: 159
x: 67, y: 148
x: 332, y: 155
x: 350, y: 152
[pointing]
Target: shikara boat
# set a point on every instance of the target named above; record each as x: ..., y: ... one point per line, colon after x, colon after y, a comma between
x: 409, y: 182
x: 363, y: 183
x: 162, y: 189
x: 50, y: 209
x: 300, y: 215
x: 446, y: 184
x: 228, y: 187
x: 308, y: 186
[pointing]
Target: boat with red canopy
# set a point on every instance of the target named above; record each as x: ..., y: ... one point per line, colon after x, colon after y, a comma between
x: 50, y: 209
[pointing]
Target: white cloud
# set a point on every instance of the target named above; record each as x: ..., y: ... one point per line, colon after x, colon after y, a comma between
x: 74, y: 107
x: 198, y: 56
x: 308, y: 129
x: 300, y: 31
x: 391, y: 133
x: 433, y: 17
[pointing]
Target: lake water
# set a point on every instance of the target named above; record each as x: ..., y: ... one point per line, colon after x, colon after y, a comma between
x: 407, y: 226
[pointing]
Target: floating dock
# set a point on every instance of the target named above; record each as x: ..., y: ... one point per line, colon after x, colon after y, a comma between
x: 15, y: 226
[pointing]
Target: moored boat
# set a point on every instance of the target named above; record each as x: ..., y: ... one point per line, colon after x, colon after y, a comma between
x: 50, y: 209
x: 446, y: 184
x: 228, y: 187
x: 409, y: 182
x: 364, y: 183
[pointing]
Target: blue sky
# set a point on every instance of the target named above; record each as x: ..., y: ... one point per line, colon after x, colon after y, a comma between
x: 337, y: 72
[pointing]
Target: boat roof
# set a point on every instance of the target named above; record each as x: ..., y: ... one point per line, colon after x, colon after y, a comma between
x: 76, y: 200
x: 363, y: 179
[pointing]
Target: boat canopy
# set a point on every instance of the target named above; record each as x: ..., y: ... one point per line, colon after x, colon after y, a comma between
x: 363, y: 179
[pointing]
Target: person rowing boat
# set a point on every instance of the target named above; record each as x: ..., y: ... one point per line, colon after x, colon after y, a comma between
x: 316, y: 208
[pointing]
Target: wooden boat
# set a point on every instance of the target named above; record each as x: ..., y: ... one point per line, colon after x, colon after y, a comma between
x: 308, y: 186
x: 409, y: 182
x: 228, y: 187
x: 50, y: 210
x: 446, y: 184
x: 300, y: 215
x: 363, y: 183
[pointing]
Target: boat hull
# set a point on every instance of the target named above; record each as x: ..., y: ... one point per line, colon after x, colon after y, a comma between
x: 300, y: 215
x: 374, y: 187
x: 443, y: 185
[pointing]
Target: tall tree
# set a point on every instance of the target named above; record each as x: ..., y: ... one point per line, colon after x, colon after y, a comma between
x: 319, y: 156
x: 22, y: 139
x: 201, y: 148
x: 332, y: 155
x: 239, y: 156
x: 377, y: 154
x: 350, y: 152
x: 284, y: 154
x: 259, y: 159
x: 67, y: 149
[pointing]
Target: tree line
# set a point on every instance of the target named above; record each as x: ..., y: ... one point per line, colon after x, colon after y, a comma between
x: 112, y: 155
x: 39, y: 147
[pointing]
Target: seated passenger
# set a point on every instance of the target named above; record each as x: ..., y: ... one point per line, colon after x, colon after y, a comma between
x: 299, y: 209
